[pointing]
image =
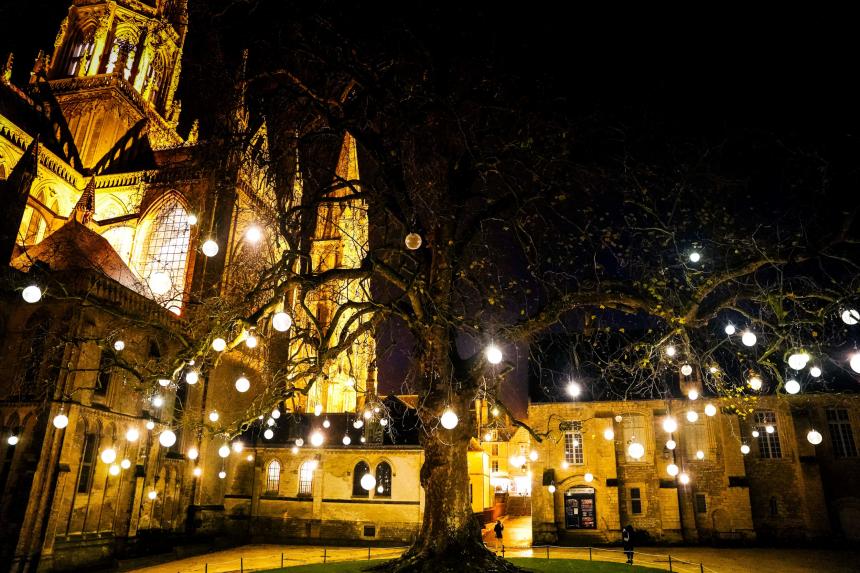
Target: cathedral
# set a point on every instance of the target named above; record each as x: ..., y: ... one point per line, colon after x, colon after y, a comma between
x: 122, y: 241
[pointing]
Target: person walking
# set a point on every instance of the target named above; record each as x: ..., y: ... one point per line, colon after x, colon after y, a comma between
x: 627, y: 539
x: 499, y: 528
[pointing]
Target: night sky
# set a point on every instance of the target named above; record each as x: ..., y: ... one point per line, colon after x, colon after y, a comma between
x: 708, y: 73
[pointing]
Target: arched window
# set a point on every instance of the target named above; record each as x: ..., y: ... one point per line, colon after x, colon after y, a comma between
x: 306, y: 478
x: 361, y: 468
x: 121, y: 57
x: 80, y: 54
x: 273, y: 477
x: 165, y: 250
x: 88, y: 462
x: 383, y: 480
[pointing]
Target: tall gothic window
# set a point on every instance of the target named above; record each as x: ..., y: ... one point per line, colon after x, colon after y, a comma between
x: 88, y: 460
x: 80, y: 55
x: 383, y: 480
x: 166, y: 251
x: 273, y: 477
x: 361, y: 468
x: 840, y: 433
x: 306, y: 478
x: 121, y: 57
x: 768, y: 437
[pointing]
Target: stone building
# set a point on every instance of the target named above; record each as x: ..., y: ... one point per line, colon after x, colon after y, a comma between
x: 714, y: 478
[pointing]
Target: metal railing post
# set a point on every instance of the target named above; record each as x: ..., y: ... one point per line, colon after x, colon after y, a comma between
x: 670, y: 562
x: 701, y: 568
x: 547, y: 551
x: 282, y: 559
x: 324, y: 556
x: 241, y: 565
x: 503, y: 550
x: 589, y: 554
x: 368, y: 552
x: 205, y: 568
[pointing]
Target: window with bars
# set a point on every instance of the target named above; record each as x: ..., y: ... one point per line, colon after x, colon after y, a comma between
x: 841, y: 434
x: 633, y: 427
x: 88, y: 459
x: 273, y: 477
x: 573, y: 444
x: 635, y: 500
x: 166, y: 249
x: 306, y: 478
x: 361, y: 468
x: 768, y: 441
x: 383, y: 480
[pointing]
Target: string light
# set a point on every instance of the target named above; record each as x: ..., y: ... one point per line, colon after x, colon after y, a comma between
x: 157, y: 401
x: 268, y: 434
x: 573, y: 389
x: 12, y: 440
x: 318, y: 410
x: 32, y: 294
x: 368, y: 482
x: 755, y: 433
x: 692, y: 416
x: 210, y: 248
x: 193, y: 453
x: 222, y: 474
x: 163, y: 382
x: 693, y: 394
x: 609, y: 434
x: 125, y: 464
x: 710, y: 410
x: 300, y: 442
x: 769, y: 429
x: 214, y: 416
x: 672, y: 470
x: 238, y: 447
x: 346, y: 440
x: 686, y: 369
x: 855, y: 362
x: 413, y: 241
x: 276, y: 414
x: 61, y: 421
x: 730, y: 329
x: 695, y: 257
x: 150, y: 425
x: 850, y: 316
x: 815, y: 371
x: 493, y: 354
x: 671, y: 445
x: 219, y: 344
x: 114, y: 470
x: 792, y: 386
x: 197, y: 472
x: 152, y: 495
x: 700, y: 455
x: 270, y: 422
x: 119, y: 345
x: 167, y: 438
x: 132, y: 435
x: 160, y: 283
x: 670, y: 424
x: 192, y: 377
x: 358, y: 424
x: 670, y: 351
x: 449, y: 419
x: 242, y: 384
x: 253, y: 234
x: 636, y: 450
x: 533, y: 455
x: 327, y: 424
x: 317, y: 439
x: 108, y: 455
x: 749, y: 338
x: 192, y: 219
x: 251, y: 340
x: 798, y: 360
x: 755, y: 383
x: 588, y: 477
x: 282, y: 321
x: 745, y: 449
x: 684, y: 478
x: 551, y: 488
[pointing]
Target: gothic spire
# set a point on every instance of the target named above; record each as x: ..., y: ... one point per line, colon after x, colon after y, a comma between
x: 86, y: 206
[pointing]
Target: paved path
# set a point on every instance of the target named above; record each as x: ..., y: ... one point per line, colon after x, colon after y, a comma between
x: 257, y: 557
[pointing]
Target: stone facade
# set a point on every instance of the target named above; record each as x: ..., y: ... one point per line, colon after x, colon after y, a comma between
x: 783, y: 489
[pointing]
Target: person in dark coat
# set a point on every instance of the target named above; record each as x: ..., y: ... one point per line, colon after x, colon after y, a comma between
x: 498, y: 529
x: 627, y: 539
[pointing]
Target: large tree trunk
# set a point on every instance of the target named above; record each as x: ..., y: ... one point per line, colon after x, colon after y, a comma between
x: 450, y: 536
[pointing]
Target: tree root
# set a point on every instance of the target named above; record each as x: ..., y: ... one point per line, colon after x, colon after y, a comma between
x: 472, y: 559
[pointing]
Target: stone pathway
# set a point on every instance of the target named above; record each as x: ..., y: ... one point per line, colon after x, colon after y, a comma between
x: 716, y: 560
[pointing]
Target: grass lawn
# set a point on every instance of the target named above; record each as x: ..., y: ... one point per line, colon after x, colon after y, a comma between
x: 538, y: 565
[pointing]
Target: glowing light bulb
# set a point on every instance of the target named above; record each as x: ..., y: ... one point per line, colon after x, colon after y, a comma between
x: 692, y: 416
x: 493, y: 354
x: 671, y: 445
x: 769, y: 429
x: 114, y: 470
x: 449, y: 419
x: 242, y: 384
x: 713, y: 369
x: 672, y: 470
x: 327, y: 424
x: 358, y: 424
x: 670, y: 424
x: 710, y: 410
x: 755, y: 434
x: 32, y: 294
x: 755, y: 383
x: 815, y: 371
x: 618, y: 418
x: 317, y: 439
x: 193, y: 453
x: 125, y: 464
x: 636, y: 450
x: 670, y: 351
x: 383, y: 422
x: 792, y: 386
x: 160, y: 283
x: 152, y: 495
x: 108, y: 455
x: 855, y: 362
x: 192, y: 219
x: 294, y: 450
x: 850, y: 316
x: 150, y: 425
x: 730, y: 329
x: 609, y: 434
x: 814, y: 437
x: 219, y: 345
x: 222, y: 474
x: 745, y: 449
x: 533, y: 455
x: 413, y: 241
x: 749, y: 338
x: 163, y: 382
x: 224, y: 451
x: 695, y: 257
x: 282, y: 321
x: 573, y: 389
x: 238, y: 447
x: 684, y: 478
x: 61, y: 421
x: 214, y: 416
x: 250, y: 457
x: 157, y: 401
x: 252, y: 341
x: 119, y: 345
x: 495, y: 412
x: 300, y: 442
x: 210, y: 248
x: 368, y: 482
x: 318, y: 410
x: 253, y: 234
x: 276, y: 414
x: 693, y: 394
x: 564, y: 464
x: 798, y: 360
x: 700, y: 455
x: 268, y: 434
x: 347, y: 440
x: 197, y: 472
x: 588, y: 477
x: 132, y: 435
x: 192, y: 377
x: 12, y: 440
x: 167, y: 438
x: 686, y: 369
